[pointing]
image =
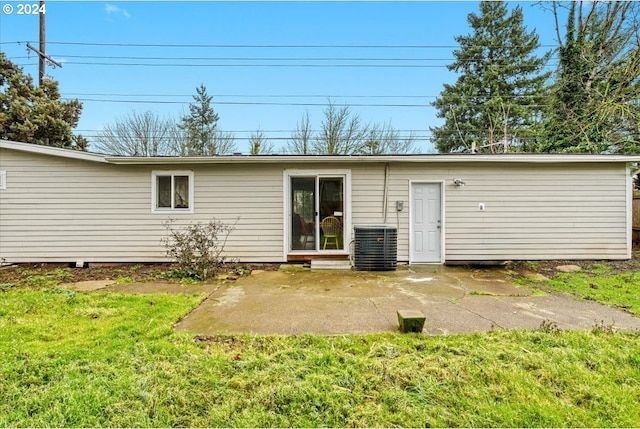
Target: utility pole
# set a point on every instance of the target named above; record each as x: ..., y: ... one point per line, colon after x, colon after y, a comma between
x: 41, y: 51
x: 41, y: 65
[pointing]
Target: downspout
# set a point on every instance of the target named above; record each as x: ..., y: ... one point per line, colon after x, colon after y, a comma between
x: 386, y: 192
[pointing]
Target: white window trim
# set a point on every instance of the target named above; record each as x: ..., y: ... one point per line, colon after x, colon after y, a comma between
x: 154, y: 191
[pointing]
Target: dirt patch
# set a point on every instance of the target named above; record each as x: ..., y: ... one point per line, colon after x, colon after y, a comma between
x: 549, y: 268
x: 141, y: 273
x: 135, y: 272
x: 129, y: 273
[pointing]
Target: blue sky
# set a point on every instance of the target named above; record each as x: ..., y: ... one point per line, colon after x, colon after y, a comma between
x: 228, y: 45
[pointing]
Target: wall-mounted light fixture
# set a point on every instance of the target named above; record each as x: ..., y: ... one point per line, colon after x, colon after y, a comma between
x: 458, y: 182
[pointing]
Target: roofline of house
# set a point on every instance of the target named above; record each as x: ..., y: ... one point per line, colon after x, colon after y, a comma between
x: 53, y: 151
x: 251, y: 159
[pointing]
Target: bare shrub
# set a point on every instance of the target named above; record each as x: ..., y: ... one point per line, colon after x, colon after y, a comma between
x: 197, y: 249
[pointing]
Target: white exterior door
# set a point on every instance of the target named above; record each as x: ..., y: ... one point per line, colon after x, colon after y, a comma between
x: 426, y: 223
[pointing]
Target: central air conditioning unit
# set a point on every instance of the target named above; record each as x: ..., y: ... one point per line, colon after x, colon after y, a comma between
x: 376, y: 248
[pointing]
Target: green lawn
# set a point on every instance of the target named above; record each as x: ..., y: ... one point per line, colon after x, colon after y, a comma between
x: 619, y: 290
x: 69, y: 360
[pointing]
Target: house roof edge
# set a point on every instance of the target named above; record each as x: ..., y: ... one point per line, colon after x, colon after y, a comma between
x: 413, y: 158
x: 251, y: 159
x: 50, y: 150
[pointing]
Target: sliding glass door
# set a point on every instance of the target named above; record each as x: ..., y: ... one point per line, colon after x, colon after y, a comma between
x: 317, y: 213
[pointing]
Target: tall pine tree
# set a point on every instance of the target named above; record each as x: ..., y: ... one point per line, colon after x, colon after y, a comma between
x: 495, y: 103
x: 201, y: 135
x: 32, y: 114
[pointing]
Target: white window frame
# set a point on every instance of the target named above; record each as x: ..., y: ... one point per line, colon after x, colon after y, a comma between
x: 154, y: 191
x: 317, y: 173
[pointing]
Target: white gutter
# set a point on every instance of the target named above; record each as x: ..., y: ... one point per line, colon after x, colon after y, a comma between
x: 341, y: 159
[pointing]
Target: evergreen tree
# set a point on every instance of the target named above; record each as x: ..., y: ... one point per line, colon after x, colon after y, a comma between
x: 33, y: 114
x: 201, y: 136
x: 495, y: 102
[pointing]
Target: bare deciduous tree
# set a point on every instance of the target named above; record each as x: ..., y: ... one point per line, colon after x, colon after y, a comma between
x: 301, y: 137
x: 259, y: 144
x: 138, y: 134
x: 384, y: 139
x: 342, y: 132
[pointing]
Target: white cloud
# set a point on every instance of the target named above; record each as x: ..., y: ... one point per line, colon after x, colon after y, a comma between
x: 110, y: 8
x: 113, y: 9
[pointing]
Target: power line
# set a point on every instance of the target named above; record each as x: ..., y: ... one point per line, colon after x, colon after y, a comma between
x: 243, y: 103
x: 272, y: 65
x: 414, y: 138
x: 119, y: 57
x: 274, y: 131
x: 324, y: 96
x: 270, y: 46
x: 273, y: 103
x: 134, y: 137
x: 409, y: 66
x: 251, y: 95
x: 250, y: 58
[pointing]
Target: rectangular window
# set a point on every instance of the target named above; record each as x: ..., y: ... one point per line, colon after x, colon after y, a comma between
x: 164, y: 191
x: 172, y: 191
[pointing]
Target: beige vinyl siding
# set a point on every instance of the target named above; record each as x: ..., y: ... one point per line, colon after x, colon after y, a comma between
x: 62, y: 209
x: 533, y: 211
x: 58, y: 209
x: 539, y: 212
x: 368, y: 196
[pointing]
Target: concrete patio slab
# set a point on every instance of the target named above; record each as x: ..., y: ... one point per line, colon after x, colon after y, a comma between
x: 453, y: 299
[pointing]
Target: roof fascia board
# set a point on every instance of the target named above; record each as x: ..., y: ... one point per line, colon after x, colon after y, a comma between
x: 313, y: 159
x: 267, y: 159
x: 53, y: 151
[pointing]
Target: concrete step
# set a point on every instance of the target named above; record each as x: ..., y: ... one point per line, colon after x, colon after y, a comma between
x: 328, y: 264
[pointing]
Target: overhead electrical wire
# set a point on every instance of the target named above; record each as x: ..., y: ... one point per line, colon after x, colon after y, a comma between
x: 251, y: 95
x: 261, y: 46
x: 257, y: 61
x: 265, y: 103
x: 270, y: 131
x: 244, y: 103
x: 121, y: 57
x: 325, y: 96
x: 276, y: 62
x: 404, y: 66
